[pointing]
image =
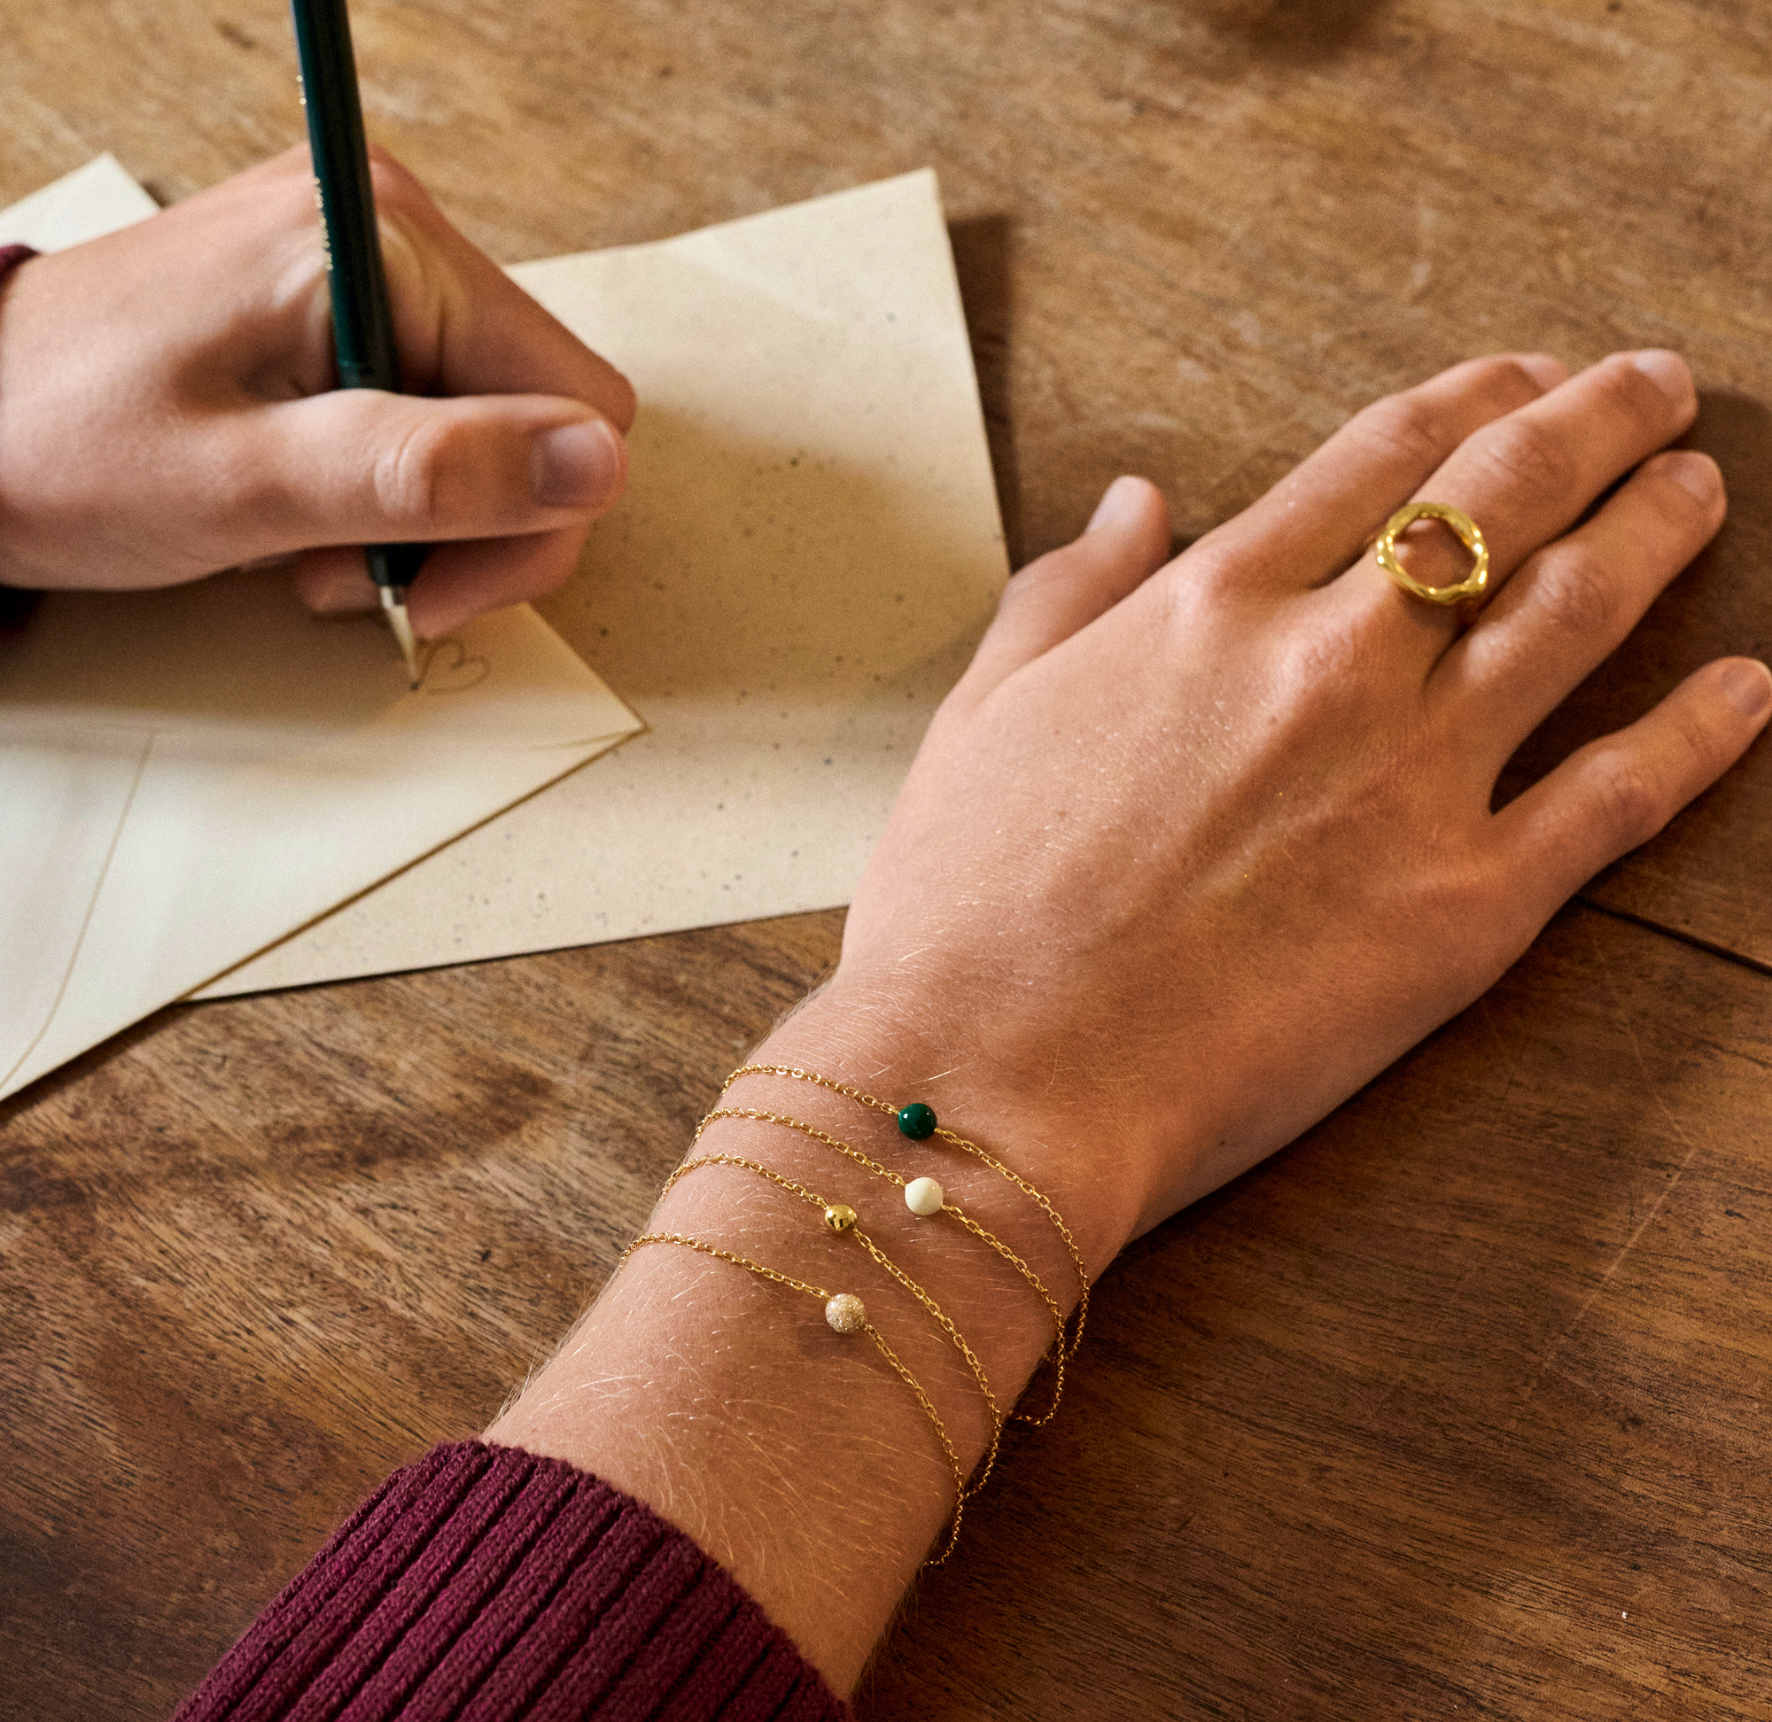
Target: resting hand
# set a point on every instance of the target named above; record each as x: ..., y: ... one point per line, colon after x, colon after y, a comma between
x: 1194, y: 849
x: 165, y: 409
x: 1197, y: 847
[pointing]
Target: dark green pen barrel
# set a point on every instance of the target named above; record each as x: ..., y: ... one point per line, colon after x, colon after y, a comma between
x: 363, y: 333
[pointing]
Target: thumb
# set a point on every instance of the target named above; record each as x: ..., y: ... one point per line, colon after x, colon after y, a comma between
x: 1125, y: 542
x: 359, y: 466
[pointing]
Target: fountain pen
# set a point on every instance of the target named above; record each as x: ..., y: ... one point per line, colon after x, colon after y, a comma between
x: 362, y: 323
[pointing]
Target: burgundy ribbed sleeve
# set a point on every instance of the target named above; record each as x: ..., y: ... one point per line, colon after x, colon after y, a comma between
x: 486, y: 1585
x: 15, y: 606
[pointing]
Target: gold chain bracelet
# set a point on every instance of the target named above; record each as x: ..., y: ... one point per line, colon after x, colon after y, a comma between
x: 842, y: 1220
x: 941, y: 1206
x: 918, y: 1122
x: 845, y: 1313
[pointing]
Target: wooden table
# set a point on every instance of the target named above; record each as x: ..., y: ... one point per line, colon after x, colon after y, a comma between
x: 1459, y: 1406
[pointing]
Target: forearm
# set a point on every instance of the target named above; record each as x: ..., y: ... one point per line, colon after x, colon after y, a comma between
x: 796, y: 1456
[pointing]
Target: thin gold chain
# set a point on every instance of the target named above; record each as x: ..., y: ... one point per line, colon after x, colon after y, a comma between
x: 706, y: 1249
x: 1058, y: 1353
x: 954, y: 1139
x: 1057, y: 1350
x: 884, y: 1261
x: 873, y: 1333
x: 811, y: 1130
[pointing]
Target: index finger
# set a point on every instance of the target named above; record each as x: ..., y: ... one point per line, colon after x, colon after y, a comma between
x: 463, y: 326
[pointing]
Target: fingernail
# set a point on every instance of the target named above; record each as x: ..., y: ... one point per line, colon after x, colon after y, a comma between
x: 1667, y: 371
x: 1749, y: 685
x: 1696, y: 474
x: 577, y: 465
x: 1118, y: 505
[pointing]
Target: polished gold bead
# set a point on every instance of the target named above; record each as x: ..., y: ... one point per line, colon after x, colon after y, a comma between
x: 846, y: 1313
x: 840, y: 1217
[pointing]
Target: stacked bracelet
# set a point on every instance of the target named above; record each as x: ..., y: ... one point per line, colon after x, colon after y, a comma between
x: 925, y: 1197
x: 842, y: 1220
x: 918, y: 1122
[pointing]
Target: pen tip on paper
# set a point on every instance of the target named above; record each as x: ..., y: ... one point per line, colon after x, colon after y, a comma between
x: 393, y: 603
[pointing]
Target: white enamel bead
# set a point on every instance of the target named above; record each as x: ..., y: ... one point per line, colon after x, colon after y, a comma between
x: 924, y: 1196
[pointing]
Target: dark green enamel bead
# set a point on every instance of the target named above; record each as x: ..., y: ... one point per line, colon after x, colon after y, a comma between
x: 917, y: 1121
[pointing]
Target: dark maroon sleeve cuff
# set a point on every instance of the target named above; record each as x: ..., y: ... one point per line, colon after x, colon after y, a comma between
x: 483, y: 1583
x: 15, y: 605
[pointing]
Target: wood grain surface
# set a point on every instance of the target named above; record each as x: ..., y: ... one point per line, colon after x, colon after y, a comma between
x: 1457, y: 1407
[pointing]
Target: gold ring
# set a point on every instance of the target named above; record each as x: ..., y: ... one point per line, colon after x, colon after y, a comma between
x: 1470, y: 535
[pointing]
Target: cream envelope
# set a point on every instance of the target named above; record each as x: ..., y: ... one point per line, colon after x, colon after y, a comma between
x: 85, y: 204
x: 189, y: 775
x: 807, y: 551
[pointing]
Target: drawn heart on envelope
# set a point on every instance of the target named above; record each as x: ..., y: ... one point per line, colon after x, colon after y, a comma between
x: 449, y: 668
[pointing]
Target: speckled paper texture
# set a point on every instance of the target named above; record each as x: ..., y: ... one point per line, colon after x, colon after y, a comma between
x: 808, y: 551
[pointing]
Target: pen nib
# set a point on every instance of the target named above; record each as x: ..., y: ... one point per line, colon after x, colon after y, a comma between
x: 393, y: 602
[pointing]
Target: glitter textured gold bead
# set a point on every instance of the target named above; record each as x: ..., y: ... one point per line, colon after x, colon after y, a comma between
x: 846, y: 1313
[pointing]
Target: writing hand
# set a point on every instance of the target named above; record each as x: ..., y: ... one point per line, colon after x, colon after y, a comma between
x: 167, y: 409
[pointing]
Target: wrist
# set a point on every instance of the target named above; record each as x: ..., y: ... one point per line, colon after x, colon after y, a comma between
x: 969, y: 1070
x: 708, y: 1383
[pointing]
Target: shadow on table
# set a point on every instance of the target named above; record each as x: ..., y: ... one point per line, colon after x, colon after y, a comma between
x: 981, y: 260
x: 1294, y: 31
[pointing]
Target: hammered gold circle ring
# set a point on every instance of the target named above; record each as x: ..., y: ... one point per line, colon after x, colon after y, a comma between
x: 1470, y: 535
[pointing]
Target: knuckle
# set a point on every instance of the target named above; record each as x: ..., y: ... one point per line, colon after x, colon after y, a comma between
x: 1629, y: 799
x: 408, y: 474
x: 1529, y: 460
x: 1701, y: 747
x: 1213, y: 564
x: 392, y: 182
x: 1185, y: 595
x: 1344, y: 652
x: 1411, y: 427
x: 1632, y: 396
x: 1574, y: 592
x: 1507, y: 375
x: 1501, y: 382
